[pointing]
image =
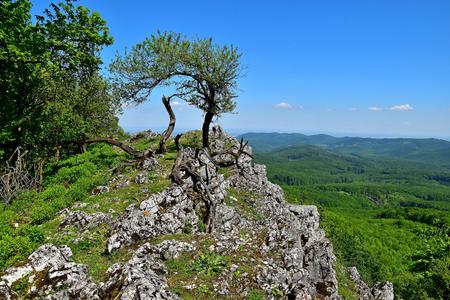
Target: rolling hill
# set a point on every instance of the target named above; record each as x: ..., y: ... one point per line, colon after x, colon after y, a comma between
x: 430, y: 151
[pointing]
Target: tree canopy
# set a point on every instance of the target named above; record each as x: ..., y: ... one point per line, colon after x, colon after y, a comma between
x: 52, y: 91
x: 203, y: 74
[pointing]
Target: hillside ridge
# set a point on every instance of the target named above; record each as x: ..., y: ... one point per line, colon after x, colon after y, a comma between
x: 220, y: 229
x: 430, y: 151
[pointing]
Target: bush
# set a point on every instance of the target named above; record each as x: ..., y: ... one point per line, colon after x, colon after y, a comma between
x: 14, y: 249
x: 209, y: 263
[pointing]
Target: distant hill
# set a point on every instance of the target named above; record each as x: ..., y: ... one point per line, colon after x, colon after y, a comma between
x: 431, y: 151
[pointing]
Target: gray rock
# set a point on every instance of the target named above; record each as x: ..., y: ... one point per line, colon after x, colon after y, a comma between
x: 6, y: 292
x: 141, y: 178
x: 143, y: 276
x: 123, y: 184
x: 101, y: 189
x: 150, y: 220
x: 172, y: 210
x: 150, y: 164
x: 380, y: 291
x: 82, y: 220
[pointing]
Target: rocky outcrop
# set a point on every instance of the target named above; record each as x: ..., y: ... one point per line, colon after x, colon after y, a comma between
x: 143, y: 276
x: 49, y: 269
x: 53, y: 276
x: 283, y: 243
x: 165, y: 213
x: 380, y: 291
x: 82, y: 220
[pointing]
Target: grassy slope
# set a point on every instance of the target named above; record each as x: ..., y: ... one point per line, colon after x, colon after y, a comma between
x: 33, y: 219
x: 387, y: 217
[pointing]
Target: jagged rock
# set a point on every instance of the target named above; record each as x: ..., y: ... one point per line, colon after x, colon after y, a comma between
x: 123, y: 184
x: 291, y: 256
x: 101, y: 189
x: 141, y: 178
x: 171, y: 249
x: 383, y: 291
x: 6, y: 293
x: 173, y: 209
x: 50, y: 269
x: 69, y: 281
x: 150, y: 220
x: 45, y: 257
x: 149, y: 164
x: 143, y: 276
x: 380, y: 291
x: 80, y: 219
x: 222, y: 144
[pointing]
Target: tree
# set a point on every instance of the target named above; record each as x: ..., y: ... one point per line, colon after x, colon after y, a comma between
x: 202, y: 73
x: 49, y: 73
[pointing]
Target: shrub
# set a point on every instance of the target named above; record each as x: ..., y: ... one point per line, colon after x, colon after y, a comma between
x: 209, y: 263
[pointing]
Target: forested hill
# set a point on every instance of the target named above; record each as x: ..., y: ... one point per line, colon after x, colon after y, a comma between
x: 386, y: 216
x: 431, y: 151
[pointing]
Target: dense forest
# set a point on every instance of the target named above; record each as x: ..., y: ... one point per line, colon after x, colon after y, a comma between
x: 389, y: 217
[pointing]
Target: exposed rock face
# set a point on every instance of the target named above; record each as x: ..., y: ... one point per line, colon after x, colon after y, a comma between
x: 291, y: 256
x: 143, y: 276
x: 165, y: 213
x: 83, y: 220
x: 380, y: 291
x: 49, y: 268
x: 53, y: 276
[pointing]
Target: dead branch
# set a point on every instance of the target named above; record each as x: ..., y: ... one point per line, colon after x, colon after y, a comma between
x: 182, y: 165
x: 177, y: 142
x: 236, y: 154
x: 16, y: 178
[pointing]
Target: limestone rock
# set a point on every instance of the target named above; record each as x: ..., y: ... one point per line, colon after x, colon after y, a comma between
x: 143, y: 276
x: 6, y: 293
x: 149, y: 164
x: 150, y: 220
x: 83, y: 220
x: 141, y: 178
x: 101, y: 189
x: 380, y: 291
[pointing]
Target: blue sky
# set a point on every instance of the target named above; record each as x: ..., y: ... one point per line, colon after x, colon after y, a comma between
x: 367, y: 68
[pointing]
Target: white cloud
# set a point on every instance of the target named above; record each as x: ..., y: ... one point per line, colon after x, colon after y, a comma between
x: 353, y: 109
x: 283, y: 105
x: 176, y: 104
x: 402, y: 107
x: 375, y: 108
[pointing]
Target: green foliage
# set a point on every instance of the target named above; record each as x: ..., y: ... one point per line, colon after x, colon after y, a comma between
x: 429, y: 151
x: 67, y: 181
x: 209, y: 263
x: 255, y: 294
x: 203, y: 74
x: 52, y: 93
x: 387, y: 217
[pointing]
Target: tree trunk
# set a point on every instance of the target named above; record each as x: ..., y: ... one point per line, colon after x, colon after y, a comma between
x: 205, y: 128
x: 166, y: 135
x: 40, y: 175
x: 126, y: 148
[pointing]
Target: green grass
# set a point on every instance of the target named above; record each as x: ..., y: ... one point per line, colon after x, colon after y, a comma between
x: 32, y: 219
x: 243, y: 202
